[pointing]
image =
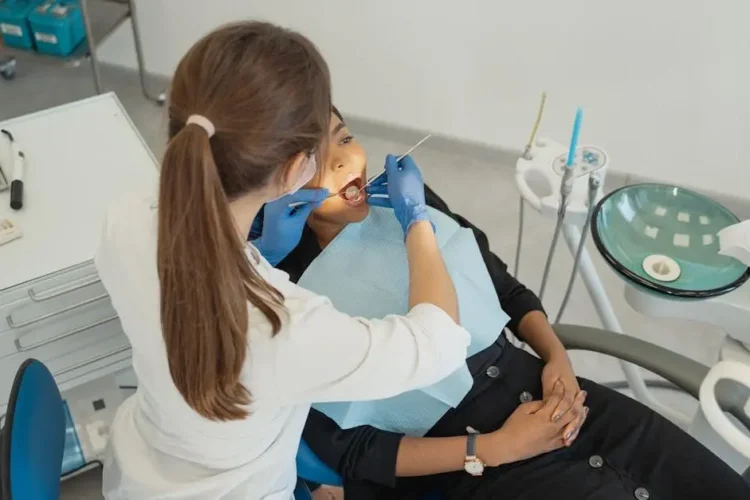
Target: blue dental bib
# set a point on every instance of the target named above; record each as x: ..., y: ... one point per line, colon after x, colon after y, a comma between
x: 365, y: 273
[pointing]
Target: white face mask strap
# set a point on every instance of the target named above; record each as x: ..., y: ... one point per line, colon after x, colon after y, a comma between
x: 202, y: 122
x: 308, y: 172
x: 309, y: 167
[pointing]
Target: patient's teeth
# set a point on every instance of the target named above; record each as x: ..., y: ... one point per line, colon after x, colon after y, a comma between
x: 351, y: 193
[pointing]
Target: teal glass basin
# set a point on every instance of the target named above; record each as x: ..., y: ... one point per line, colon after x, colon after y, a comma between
x: 663, y: 238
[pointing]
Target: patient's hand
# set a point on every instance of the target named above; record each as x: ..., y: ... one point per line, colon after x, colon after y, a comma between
x: 529, y: 431
x: 328, y: 493
x: 560, y: 369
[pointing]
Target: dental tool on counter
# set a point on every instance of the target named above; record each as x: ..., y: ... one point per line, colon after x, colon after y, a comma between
x: 6, y: 156
x: 566, y: 187
x: 352, y: 191
x: 18, y: 162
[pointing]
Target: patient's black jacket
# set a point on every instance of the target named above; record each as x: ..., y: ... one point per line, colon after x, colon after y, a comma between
x: 623, y: 451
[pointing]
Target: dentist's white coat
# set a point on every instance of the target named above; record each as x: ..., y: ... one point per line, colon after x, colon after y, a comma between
x: 161, y: 449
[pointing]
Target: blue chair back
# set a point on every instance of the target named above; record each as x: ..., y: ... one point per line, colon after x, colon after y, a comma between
x: 33, y: 437
x: 311, y: 468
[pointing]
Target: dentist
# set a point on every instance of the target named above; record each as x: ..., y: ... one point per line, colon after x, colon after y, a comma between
x: 228, y: 352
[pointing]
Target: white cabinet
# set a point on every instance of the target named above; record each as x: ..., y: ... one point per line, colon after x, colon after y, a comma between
x: 53, y: 307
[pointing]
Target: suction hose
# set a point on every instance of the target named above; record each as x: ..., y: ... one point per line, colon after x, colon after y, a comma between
x: 566, y: 187
x: 594, y: 183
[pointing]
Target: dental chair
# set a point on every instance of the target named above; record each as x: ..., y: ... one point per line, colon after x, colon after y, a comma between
x: 33, y: 438
x: 683, y: 372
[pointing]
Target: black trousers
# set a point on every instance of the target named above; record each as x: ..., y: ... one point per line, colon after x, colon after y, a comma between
x: 624, y: 451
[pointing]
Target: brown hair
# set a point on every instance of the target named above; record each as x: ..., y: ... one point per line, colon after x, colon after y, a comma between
x: 267, y: 92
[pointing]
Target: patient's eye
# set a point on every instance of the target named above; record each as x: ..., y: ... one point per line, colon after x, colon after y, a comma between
x: 346, y: 139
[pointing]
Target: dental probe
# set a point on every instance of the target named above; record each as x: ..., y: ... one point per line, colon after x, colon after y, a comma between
x: 373, y: 178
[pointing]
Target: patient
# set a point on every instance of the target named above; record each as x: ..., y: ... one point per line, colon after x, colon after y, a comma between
x: 603, y: 445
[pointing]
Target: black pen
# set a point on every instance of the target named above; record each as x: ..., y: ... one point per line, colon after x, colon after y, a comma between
x: 16, y: 185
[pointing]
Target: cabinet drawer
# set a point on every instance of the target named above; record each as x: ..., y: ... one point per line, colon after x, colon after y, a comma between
x: 81, y: 320
x: 106, y: 354
x: 33, y: 311
x: 49, y: 285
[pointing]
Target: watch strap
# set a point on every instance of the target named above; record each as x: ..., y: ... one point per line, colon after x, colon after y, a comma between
x: 471, y: 445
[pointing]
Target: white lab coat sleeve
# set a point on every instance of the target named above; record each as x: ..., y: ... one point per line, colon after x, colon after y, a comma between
x: 326, y: 356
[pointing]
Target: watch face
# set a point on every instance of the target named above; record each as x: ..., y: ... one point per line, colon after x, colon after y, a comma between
x: 474, y: 467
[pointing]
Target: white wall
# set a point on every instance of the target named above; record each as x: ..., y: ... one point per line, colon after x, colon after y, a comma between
x: 665, y: 85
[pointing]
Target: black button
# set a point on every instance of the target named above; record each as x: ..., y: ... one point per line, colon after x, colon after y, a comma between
x: 596, y: 461
x: 526, y: 397
x: 493, y: 371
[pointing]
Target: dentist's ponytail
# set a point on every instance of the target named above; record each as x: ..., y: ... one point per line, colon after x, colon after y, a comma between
x: 266, y: 91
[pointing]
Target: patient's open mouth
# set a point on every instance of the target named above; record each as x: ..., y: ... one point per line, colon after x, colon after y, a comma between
x: 352, y: 192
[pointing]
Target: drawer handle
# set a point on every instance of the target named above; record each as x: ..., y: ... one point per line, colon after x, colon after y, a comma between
x: 40, y: 297
x: 92, y: 360
x: 13, y: 324
x: 21, y: 348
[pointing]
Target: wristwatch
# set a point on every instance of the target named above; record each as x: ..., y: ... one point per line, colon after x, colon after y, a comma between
x: 473, y: 464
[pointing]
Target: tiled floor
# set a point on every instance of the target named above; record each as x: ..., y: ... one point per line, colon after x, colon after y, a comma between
x: 482, y: 191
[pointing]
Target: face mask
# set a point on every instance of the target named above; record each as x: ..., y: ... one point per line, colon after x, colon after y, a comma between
x: 308, y: 172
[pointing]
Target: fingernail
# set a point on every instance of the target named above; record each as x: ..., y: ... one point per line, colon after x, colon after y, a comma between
x: 586, y: 410
x: 556, y: 417
x: 585, y: 394
x: 567, y: 436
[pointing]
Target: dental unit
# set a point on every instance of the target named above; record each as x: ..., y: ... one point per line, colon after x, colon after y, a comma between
x: 680, y: 254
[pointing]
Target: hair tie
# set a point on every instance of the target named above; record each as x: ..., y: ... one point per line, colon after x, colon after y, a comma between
x: 203, y: 123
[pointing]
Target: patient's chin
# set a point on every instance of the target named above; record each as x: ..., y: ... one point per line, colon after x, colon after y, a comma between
x: 359, y: 214
x: 334, y: 211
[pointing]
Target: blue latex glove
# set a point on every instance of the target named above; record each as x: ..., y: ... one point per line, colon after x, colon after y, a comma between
x: 280, y: 226
x: 404, y: 187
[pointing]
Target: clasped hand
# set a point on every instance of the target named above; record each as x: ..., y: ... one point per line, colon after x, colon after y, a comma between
x: 539, y: 427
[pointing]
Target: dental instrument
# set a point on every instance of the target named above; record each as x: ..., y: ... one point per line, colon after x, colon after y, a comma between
x: 594, y: 185
x: 566, y: 187
x: 18, y: 162
x: 535, y: 129
x: 6, y: 158
x: 527, y: 156
x: 350, y: 191
x: 408, y: 152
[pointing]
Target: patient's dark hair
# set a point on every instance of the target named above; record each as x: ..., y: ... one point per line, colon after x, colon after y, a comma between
x: 335, y: 111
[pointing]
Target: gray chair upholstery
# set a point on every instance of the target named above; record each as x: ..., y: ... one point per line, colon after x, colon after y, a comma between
x: 685, y: 373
